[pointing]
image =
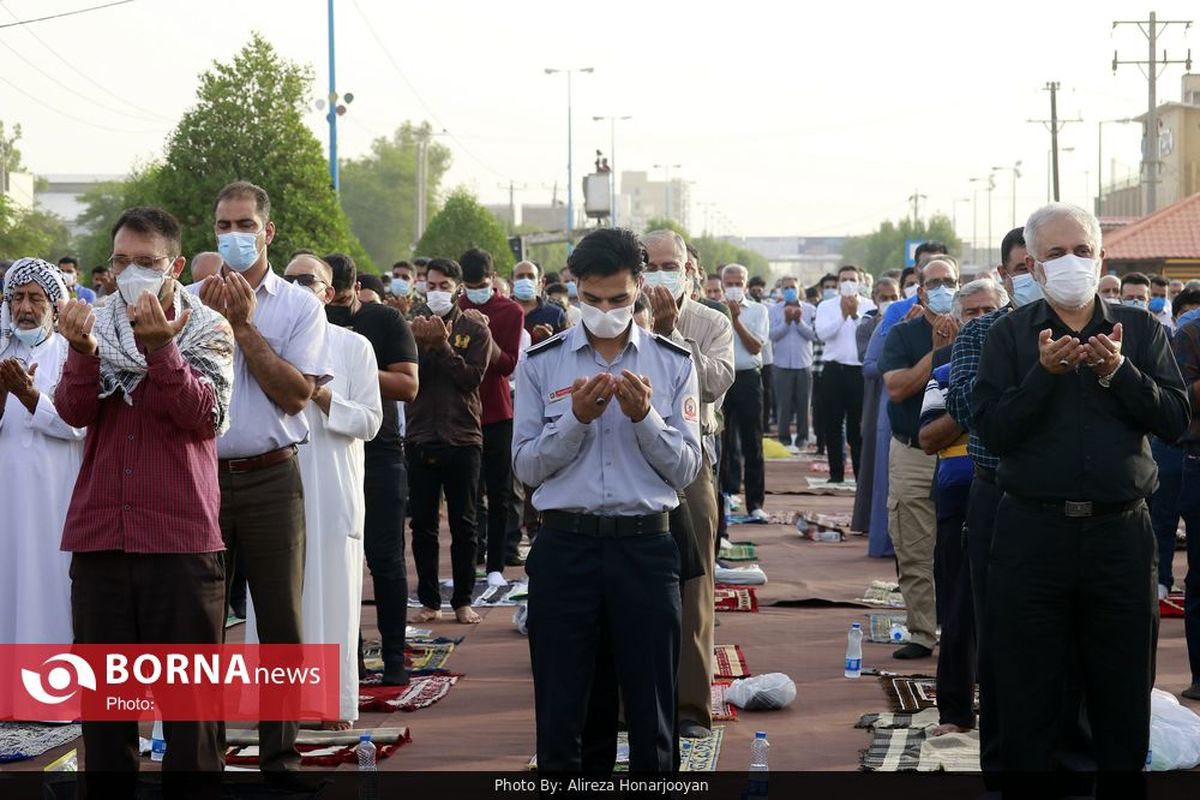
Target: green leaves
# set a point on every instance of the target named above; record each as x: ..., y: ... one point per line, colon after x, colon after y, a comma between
x: 884, y: 249
x: 462, y: 224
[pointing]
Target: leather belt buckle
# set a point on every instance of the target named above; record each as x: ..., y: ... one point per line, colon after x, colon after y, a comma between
x: 238, y: 466
x: 1074, y: 508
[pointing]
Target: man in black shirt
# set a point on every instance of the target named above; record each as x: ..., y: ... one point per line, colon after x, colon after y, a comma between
x: 906, y: 364
x: 1068, y: 390
x: 385, y: 481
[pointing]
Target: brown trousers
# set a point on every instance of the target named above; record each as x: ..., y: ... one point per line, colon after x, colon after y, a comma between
x: 149, y: 598
x: 696, y: 641
x: 262, y: 522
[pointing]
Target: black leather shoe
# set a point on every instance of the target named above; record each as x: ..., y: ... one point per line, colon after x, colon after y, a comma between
x: 912, y: 650
x: 394, y: 675
x: 1192, y: 692
x: 689, y: 729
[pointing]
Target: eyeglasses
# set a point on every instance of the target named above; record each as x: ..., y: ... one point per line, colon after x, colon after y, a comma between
x: 145, y: 262
x: 948, y: 283
x: 307, y: 281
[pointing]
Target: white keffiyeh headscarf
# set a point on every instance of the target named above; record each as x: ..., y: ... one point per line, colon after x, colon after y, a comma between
x: 206, y: 344
x: 23, y: 271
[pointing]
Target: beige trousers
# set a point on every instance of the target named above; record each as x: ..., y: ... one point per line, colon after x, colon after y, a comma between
x: 912, y: 524
x: 696, y: 632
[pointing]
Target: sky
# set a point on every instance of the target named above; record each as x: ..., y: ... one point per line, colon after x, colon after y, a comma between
x: 815, y: 119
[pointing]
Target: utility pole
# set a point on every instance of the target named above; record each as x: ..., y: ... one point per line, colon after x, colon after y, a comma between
x: 513, y: 187
x: 667, y: 168
x: 422, y: 143
x: 334, y: 178
x: 915, y: 198
x: 1151, y: 163
x: 1054, y: 125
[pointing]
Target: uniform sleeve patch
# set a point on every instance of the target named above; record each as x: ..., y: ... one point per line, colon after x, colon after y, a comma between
x: 691, y: 409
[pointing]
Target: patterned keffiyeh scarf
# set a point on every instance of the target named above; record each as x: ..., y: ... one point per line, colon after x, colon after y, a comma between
x: 206, y: 344
x: 24, y: 271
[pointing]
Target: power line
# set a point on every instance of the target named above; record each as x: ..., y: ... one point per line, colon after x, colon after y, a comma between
x: 64, y: 14
x: 54, y: 52
x: 417, y: 95
x: 71, y: 117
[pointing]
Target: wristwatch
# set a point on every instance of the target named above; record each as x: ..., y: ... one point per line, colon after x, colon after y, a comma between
x: 1106, y: 380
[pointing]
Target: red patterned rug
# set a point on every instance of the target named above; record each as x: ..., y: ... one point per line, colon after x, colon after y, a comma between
x: 1171, y: 605
x: 730, y: 662
x: 316, y: 755
x: 735, y: 598
x: 722, y: 711
x: 423, y: 691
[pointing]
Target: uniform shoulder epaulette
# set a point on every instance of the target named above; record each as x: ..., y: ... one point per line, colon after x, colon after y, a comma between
x: 548, y: 344
x: 671, y: 345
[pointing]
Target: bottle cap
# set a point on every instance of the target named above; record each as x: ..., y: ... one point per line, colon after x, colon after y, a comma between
x: 760, y: 735
x: 856, y: 625
x: 366, y: 737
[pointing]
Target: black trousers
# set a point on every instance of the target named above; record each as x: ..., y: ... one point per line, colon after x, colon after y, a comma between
x: 768, y: 384
x: 432, y: 471
x: 743, y: 438
x: 956, y: 648
x: 597, y: 603
x: 1078, y: 595
x: 981, y: 524
x: 385, y: 490
x: 842, y: 402
x: 818, y: 402
x: 156, y: 599
x: 495, y: 481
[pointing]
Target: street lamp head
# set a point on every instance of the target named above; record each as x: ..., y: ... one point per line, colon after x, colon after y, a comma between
x: 630, y: 116
x: 551, y: 71
x: 597, y: 119
x: 588, y: 69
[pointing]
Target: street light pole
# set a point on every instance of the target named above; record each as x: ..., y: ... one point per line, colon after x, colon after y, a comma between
x: 975, y: 219
x: 668, y: 168
x: 334, y: 178
x: 612, y: 163
x: 954, y: 212
x: 570, y: 156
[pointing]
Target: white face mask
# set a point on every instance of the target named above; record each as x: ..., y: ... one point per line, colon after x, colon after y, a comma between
x: 439, y: 302
x: 1070, y: 281
x: 134, y: 280
x: 848, y: 288
x: 735, y: 294
x: 606, y: 324
x: 883, y: 306
x: 671, y: 279
x: 911, y: 290
x: 420, y: 287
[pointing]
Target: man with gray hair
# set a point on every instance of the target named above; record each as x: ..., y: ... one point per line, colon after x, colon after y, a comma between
x: 1068, y: 391
x: 743, y: 402
x: 709, y: 336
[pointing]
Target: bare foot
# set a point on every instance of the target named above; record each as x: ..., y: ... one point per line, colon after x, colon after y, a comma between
x: 336, y: 725
x: 467, y: 616
x: 429, y: 615
x: 942, y: 730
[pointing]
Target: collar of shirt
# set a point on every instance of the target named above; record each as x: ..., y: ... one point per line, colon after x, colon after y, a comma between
x: 1045, y: 316
x: 271, y: 282
x: 577, y: 337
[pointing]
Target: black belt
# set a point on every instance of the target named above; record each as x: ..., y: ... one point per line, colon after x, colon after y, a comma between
x: 986, y: 475
x: 907, y: 442
x: 606, y: 527
x: 1076, y: 508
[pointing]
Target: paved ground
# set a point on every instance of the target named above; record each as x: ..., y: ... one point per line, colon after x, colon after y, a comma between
x: 486, y: 722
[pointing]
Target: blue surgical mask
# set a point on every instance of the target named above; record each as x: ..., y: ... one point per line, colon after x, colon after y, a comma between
x: 524, y: 289
x: 791, y: 295
x: 828, y: 294
x: 572, y: 290
x: 939, y: 300
x: 401, y: 287
x: 1187, y: 317
x: 238, y: 249
x: 1134, y: 303
x: 30, y: 337
x: 480, y: 296
x: 1025, y: 290
x: 1157, y: 304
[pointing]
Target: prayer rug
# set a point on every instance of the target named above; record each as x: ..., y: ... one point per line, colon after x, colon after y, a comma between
x: 890, y: 719
x: 422, y: 654
x: 848, y: 486
x: 912, y: 693
x: 750, y: 575
x: 722, y: 710
x: 482, y: 595
x: 318, y: 755
x: 879, y: 626
x: 423, y: 691
x: 738, y: 551
x: 743, y: 519
x: 1171, y: 605
x: 883, y: 593
x: 730, y: 662
x: 232, y: 622
x: 910, y: 750
x: 695, y: 755
x: 735, y: 598
x: 244, y: 737
x: 24, y: 740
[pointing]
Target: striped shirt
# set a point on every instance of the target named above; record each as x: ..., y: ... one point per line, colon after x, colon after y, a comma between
x: 964, y: 363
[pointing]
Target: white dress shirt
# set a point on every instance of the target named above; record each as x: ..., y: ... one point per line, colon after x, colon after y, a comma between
x: 837, y: 331
x: 754, y: 319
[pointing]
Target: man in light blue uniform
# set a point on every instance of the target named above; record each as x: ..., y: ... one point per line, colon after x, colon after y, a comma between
x: 607, y: 427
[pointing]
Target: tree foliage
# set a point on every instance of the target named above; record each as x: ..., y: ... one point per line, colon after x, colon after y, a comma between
x: 248, y: 124
x: 883, y: 249
x: 461, y: 224
x: 10, y: 156
x: 103, y: 203
x: 379, y: 191
x: 31, y: 232
x: 715, y: 253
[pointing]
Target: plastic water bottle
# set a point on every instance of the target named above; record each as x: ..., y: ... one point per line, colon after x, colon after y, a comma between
x: 759, y: 751
x: 366, y: 753
x: 854, y: 651
x: 899, y: 633
x: 158, y: 742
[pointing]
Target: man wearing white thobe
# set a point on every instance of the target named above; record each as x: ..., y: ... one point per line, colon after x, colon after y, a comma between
x: 342, y: 415
x: 41, y: 454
